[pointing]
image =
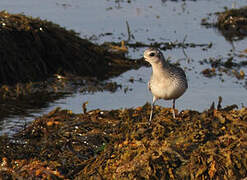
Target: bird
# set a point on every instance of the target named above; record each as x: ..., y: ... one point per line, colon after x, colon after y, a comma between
x: 167, y: 81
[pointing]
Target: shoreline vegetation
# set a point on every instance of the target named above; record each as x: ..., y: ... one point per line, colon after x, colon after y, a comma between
x: 122, y: 144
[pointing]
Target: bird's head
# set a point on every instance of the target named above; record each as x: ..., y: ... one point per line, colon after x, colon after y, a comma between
x: 153, y: 56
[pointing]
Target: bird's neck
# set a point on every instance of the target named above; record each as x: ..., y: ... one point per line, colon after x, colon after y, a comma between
x: 158, y: 67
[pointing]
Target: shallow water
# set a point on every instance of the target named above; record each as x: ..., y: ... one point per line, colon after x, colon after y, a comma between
x: 149, y: 21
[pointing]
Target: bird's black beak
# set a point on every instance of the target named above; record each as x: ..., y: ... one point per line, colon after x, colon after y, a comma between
x: 145, y: 63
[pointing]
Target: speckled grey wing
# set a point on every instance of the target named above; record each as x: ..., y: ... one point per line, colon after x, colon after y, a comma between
x: 178, y: 73
x: 175, y: 70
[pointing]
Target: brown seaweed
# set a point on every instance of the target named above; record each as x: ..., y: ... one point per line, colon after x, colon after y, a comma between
x: 232, y: 23
x: 122, y: 144
x: 32, y: 49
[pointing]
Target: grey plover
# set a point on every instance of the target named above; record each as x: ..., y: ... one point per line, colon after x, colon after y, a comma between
x: 167, y: 81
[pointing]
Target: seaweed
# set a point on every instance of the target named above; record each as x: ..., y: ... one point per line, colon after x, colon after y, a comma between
x: 122, y: 144
x: 32, y: 49
x: 232, y: 23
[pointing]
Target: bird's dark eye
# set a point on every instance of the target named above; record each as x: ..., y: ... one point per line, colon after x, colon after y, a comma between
x: 151, y: 54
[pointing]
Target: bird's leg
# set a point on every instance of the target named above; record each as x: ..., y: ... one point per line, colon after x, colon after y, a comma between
x: 173, y: 109
x: 151, y: 113
x: 152, y: 107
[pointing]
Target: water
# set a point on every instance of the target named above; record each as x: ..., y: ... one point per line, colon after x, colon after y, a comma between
x: 157, y: 20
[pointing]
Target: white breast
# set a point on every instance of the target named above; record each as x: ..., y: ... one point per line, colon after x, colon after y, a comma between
x: 167, y: 89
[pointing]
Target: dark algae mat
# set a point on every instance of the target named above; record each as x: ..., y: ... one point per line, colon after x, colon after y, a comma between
x: 32, y: 49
